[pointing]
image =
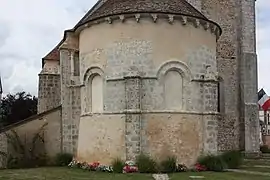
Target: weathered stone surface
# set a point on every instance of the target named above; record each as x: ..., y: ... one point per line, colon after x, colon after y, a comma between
x: 237, y: 67
x: 49, y: 95
x: 102, y: 138
x: 210, y: 134
x: 28, y: 128
x: 71, y: 102
x: 173, y: 134
x: 135, y: 58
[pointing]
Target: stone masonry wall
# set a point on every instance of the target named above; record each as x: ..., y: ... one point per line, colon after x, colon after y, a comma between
x: 224, y: 12
x: 71, y: 103
x: 237, y: 66
x: 248, y: 76
x: 133, y: 117
x: 49, y: 95
x: 28, y: 128
x: 134, y: 68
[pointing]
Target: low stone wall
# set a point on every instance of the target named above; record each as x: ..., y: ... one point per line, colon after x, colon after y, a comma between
x: 28, y: 128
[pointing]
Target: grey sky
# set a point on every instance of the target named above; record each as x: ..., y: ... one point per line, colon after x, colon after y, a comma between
x: 29, y: 29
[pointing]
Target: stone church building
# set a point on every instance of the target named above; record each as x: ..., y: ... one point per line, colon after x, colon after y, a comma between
x: 165, y: 77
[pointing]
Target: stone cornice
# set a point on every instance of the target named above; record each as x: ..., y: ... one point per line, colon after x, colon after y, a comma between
x: 136, y: 111
x: 170, y: 18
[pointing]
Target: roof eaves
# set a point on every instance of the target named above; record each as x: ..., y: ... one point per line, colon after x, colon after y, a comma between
x: 89, y: 13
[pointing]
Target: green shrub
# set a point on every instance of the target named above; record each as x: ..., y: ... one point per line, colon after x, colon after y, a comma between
x: 63, y: 159
x: 212, y: 163
x: 146, y: 164
x: 233, y: 159
x: 264, y: 149
x: 168, y: 165
x: 118, y: 165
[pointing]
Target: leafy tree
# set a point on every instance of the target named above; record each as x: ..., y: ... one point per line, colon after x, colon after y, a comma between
x: 17, y: 107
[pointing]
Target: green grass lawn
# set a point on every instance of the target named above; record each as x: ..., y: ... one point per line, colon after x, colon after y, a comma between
x: 78, y: 174
x: 258, y: 169
x: 257, y: 162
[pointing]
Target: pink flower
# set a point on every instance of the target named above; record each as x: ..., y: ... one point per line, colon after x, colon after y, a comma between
x: 130, y: 169
x: 200, y: 167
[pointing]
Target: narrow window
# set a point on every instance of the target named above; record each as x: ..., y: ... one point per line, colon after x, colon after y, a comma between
x: 97, y: 94
x: 76, y: 64
x: 173, y: 90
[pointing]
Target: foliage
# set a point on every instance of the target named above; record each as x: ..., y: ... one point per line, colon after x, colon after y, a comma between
x: 118, y: 165
x: 63, y: 159
x: 168, y: 165
x: 25, y: 155
x: 16, y: 107
x: 264, y: 149
x: 146, y: 164
x: 212, y: 163
x: 181, y: 168
x: 233, y: 159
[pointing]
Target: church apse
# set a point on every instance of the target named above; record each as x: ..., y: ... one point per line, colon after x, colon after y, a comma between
x: 150, y: 87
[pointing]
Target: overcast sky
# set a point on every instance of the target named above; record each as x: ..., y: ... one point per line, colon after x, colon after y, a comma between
x: 31, y: 28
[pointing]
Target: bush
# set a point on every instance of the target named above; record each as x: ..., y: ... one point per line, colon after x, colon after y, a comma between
x: 233, y: 159
x: 118, y: 165
x: 213, y: 163
x: 63, y: 159
x: 168, y: 165
x: 264, y: 149
x: 146, y: 164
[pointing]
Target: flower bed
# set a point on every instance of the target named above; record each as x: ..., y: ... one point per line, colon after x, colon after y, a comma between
x: 130, y: 167
x: 95, y: 166
x: 146, y: 164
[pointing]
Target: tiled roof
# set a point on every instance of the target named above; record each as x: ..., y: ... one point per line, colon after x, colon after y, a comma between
x: 53, y: 55
x: 112, y: 7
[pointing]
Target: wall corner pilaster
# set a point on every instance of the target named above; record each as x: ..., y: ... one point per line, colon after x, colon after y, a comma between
x: 133, y: 116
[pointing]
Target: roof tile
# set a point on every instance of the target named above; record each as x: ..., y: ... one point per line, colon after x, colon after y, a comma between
x: 112, y: 7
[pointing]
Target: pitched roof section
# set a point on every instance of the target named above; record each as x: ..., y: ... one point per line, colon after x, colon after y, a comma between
x: 90, y: 12
x: 53, y: 55
x: 112, y: 7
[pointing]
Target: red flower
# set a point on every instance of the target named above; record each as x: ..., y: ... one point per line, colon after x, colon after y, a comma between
x: 200, y: 167
x: 94, y: 165
x: 130, y: 169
